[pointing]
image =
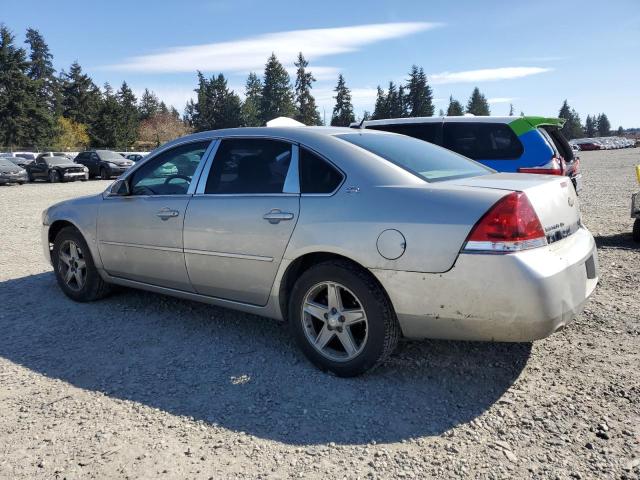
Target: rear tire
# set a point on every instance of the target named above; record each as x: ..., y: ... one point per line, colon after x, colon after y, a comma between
x: 74, y: 268
x: 103, y: 173
x: 351, y: 342
x: 636, y: 230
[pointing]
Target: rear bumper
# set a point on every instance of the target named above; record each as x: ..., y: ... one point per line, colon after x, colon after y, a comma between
x: 515, y: 297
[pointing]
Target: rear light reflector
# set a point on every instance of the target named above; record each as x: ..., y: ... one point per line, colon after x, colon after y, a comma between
x: 554, y: 167
x: 511, y: 225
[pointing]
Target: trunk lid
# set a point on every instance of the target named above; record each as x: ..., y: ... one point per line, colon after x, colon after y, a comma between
x: 553, y: 198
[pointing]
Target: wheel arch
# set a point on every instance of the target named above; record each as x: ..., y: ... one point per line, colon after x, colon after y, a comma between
x: 303, y: 263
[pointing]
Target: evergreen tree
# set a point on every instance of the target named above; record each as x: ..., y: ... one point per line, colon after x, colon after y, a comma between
x: 441, y: 113
x: 572, y: 127
x: 189, y: 112
x: 128, y: 119
x: 81, y: 99
x: 395, y: 108
x: 307, y: 112
x: 620, y: 131
x: 343, y: 111
x: 590, y: 128
x: 149, y: 104
x: 511, y: 109
x: 16, y: 92
x: 419, y: 101
x: 217, y: 106
x: 604, y: 127
x: 381, y: 109
x: 251, y: 115
x: 277, y: 95
x: 478, y: 104
x: 105, y: 130
x: 455, y: 108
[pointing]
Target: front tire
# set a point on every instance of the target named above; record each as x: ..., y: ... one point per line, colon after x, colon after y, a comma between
x: 54, y: 176
x: 342, y: 319
x: 636, y: 230
x: 74, y: 268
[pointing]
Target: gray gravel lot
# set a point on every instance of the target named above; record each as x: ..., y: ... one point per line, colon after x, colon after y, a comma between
x: 143, y: 386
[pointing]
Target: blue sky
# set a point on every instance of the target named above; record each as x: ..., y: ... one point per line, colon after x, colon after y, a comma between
x: 531, y: 54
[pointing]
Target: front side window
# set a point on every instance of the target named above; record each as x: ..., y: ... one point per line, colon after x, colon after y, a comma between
x: 317, y: 175
x: 249, y: 166
x: 427, y: 161
x: 482, y: 141
x: 170, y: 173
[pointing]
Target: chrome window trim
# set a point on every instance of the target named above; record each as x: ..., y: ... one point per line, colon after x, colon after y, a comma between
x: 292, y: 183
x: 206, y: 169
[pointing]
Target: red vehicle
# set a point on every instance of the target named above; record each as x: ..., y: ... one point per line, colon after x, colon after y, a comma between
x: 590, y: 146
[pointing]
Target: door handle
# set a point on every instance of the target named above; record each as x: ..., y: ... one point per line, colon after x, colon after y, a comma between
x: 276, y: 216
x: 166, y: 213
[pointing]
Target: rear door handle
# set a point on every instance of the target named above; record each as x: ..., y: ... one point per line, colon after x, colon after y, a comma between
x: 166, y: 213
x: 276, y: 216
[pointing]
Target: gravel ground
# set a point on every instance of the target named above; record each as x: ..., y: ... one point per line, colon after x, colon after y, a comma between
x: 141, y: 385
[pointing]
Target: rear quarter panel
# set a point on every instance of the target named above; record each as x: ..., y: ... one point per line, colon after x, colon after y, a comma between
x: 434, y: 219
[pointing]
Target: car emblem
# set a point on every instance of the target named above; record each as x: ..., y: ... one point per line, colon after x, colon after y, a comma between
x: 570, y: 201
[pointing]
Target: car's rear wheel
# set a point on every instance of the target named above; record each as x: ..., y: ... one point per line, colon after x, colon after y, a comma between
x: 74, y: 268
x: 54, y: 176
x: 341, y: 318
x: 636, y: 230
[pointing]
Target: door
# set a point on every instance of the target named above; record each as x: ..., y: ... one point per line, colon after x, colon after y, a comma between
x: 39, y: 168
x: 140, y: 235
x: 240, y: 220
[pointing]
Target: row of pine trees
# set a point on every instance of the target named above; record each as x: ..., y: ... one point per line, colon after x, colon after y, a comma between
x: 40, y: 107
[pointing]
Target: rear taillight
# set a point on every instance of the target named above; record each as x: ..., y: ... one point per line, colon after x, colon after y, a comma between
x: 510, y: 225
x: 555, y: 166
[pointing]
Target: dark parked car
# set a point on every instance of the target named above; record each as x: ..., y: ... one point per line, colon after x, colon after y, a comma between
x: 11, y: 173
x: 135, y: 157
x: 56, y: 169
x: 103, y: 163
x: 55, y: 154
x: 22, y: 160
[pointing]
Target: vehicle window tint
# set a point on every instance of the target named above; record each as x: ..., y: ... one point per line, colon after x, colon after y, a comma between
x: 482, y: 141
x: 170, y: 173
x: 249, y: 166
x: 429, y: 132
x: 427, y: 161
x: 558, y: 142
x: 316, y: 175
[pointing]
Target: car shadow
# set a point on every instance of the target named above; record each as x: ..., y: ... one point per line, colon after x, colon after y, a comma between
x: 243, y: 372
x: 619, y: 241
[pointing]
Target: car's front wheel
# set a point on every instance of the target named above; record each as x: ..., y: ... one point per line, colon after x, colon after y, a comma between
x: 54, y: 176
x: 74, y: 268
x: 342, y: 319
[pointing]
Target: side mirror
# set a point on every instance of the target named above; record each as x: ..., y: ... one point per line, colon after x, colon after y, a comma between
x: 120, y: 188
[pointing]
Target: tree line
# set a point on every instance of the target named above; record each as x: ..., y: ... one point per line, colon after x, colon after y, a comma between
x: 40, y: 107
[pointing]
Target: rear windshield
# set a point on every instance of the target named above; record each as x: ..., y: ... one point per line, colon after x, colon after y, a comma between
x: 428, y: 161
x: 482, y: 141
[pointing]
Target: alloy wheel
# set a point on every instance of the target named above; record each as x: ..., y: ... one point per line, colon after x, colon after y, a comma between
x: 72, y: 265
x: 334, y: 321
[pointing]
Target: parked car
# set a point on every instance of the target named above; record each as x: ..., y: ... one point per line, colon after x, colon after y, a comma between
x: 355, y: 237
x: 18, y: 158
x: 134, y: 157
x: 635, y: 209
x: 103, y: 163
x: 56, y: 169
x: 506, y: 144
x: 11, y: 173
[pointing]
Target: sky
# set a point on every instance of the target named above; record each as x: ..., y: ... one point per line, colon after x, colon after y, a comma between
x: 529, y: 54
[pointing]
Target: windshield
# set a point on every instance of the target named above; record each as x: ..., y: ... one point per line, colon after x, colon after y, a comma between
x: 57, y: 160
x: 7, y: 163
x: 109, y: 155
x: 428, y: 161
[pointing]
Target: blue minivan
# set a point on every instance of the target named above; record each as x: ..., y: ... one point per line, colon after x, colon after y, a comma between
x: 507, y: 144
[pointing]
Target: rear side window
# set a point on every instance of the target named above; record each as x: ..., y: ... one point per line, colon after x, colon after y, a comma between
x: 558, y: 142
x: 249, y: 166
x: 482, y: 141
x: 429, y: 132
x: 316, y: 175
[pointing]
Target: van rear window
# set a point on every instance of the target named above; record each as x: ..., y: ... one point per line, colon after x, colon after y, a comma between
x: 482, y: 141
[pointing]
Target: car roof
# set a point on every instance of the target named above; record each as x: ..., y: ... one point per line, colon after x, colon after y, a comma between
x: 531, y: 120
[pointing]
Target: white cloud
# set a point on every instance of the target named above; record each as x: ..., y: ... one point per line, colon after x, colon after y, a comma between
x: 486, y: 74
x: 501, y: 100
x: 250, y: 53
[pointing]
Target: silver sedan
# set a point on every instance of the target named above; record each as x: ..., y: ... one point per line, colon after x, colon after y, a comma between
x: 356, y: 238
